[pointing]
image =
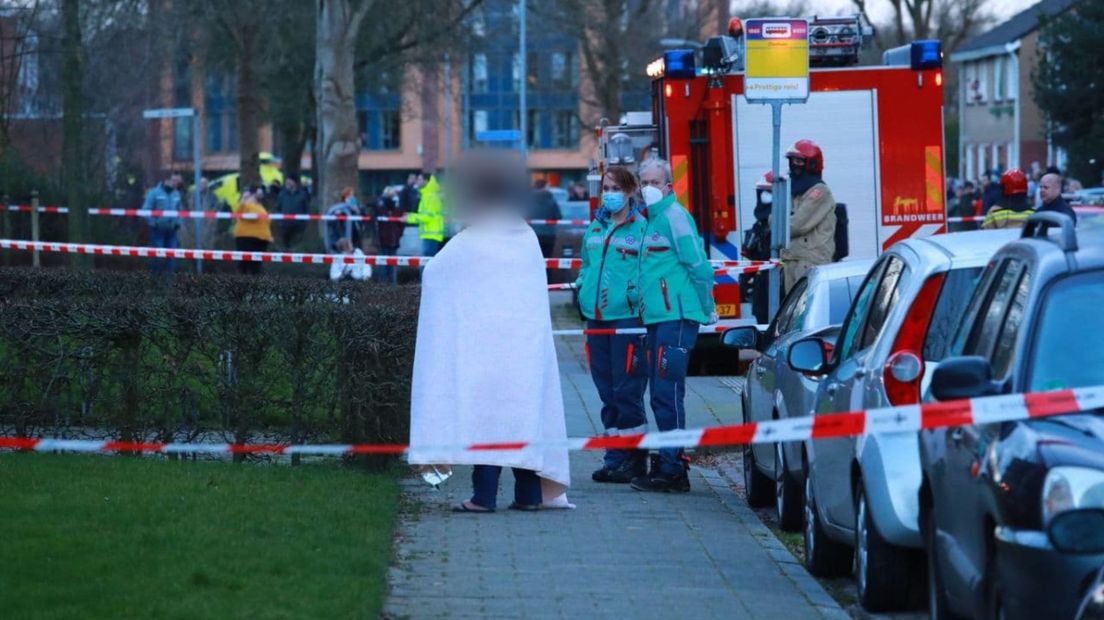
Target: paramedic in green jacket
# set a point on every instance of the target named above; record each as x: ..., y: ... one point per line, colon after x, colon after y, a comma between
x: 608, y: 300
x: 676, y: 282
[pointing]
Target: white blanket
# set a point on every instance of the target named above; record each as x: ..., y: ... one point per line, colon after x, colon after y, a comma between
x: 485, y: 366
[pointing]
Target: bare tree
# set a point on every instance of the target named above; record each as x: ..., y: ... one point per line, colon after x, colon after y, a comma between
x: 18, y: 43
x: 951, y: 21
x: 338, y: 24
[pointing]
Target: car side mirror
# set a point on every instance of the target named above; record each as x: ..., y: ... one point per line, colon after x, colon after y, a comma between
x: 809, y: 356
x: 745, y: 337
x: 962, y: 377
x: 1077, y: 531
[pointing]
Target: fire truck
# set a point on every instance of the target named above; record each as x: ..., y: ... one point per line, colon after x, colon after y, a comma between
x: 880, y: 128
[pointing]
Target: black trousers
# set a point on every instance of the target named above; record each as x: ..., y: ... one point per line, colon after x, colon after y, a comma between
x: 250, y: 244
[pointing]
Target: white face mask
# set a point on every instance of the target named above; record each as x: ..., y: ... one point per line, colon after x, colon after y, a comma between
x: 651, y: 195
x: 766, y: 198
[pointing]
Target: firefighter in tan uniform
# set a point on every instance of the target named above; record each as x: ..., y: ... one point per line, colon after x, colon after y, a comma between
x: 812, y: 214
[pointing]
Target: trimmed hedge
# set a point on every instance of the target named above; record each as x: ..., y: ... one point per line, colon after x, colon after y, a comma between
x: 193, y: 358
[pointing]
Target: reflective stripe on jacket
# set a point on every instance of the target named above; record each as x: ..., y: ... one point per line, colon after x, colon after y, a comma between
x: 1006, y: 218
x: 611, y: 266
x: 676, y: 279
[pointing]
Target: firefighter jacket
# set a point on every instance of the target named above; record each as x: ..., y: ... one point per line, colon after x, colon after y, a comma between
x: 676, y: 279
x: 1005, y: 217
x: 430, y: 216
x: 611, y: 266
x: 812, y: 232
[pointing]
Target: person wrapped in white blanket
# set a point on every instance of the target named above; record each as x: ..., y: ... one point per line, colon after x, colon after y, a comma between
x: 357, y: 270
x: 485, y: 368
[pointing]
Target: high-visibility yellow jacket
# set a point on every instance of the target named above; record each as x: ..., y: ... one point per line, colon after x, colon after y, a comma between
x: 430, y: 216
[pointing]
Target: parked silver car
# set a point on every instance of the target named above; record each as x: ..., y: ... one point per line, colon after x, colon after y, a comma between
x: 861, y: 494
x: 815, y: 307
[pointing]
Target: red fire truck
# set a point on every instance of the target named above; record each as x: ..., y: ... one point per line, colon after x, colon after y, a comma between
x: 880, y: 128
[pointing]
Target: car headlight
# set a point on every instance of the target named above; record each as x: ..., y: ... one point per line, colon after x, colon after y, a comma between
x: 1067, y: 488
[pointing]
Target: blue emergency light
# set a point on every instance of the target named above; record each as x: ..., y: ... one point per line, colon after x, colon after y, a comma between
x: 926, y: 54
x: 679, y: 63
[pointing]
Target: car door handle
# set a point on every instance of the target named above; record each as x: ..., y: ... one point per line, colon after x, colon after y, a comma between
x: 832, y: 389
x: 860, y: 372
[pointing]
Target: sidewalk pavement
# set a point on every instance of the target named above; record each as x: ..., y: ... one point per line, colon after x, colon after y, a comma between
x: 621, y: 553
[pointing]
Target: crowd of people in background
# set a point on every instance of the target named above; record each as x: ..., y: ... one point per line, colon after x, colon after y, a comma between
x: 1006, y: 198
x: 418, y: 203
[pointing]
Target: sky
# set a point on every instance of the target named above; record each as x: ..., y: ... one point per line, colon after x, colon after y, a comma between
x: 880, y: 10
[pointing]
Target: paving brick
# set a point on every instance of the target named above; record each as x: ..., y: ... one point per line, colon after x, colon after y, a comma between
x: 620, y: 554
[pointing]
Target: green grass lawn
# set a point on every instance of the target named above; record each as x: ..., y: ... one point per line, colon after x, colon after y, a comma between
x: 100, y: 537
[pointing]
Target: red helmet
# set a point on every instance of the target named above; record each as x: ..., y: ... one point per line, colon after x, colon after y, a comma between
x: 810, y: 152
x: 1013, y: 182
x: 766, y: 181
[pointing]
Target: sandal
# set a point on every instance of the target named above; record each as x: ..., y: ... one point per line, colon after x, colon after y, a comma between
x: 525, y: 507
x: 474, y: 508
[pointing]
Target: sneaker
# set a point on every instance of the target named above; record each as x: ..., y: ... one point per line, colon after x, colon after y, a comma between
x: 662, y: 483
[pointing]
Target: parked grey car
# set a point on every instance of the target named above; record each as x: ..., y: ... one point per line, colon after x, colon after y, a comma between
x: 861, y: 493
x: 772, y: 390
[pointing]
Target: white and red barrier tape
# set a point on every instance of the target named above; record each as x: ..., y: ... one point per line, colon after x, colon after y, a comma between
x: 286, y: 257
x: 908, y: 419
x: 968, y: 218
x: 715, y: 328
x: 227, y: 215
x: 28, y: 208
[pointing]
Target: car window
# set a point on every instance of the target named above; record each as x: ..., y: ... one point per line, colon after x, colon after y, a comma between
x: 981, y: 293
x: 839, y: 298
x: 784, y: 322
x: 958, y: 284
x: 1010, y: 329
x: 1068, y: 350
x: 885, y: 299
x: 985, y: 332
x: 857, y: 314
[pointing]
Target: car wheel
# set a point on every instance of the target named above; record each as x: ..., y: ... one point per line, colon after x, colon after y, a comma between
x: 759, y: 488
x: 884, y: 572
x: 824, y: 557
x: 787, y: 493
x: 938, y: 607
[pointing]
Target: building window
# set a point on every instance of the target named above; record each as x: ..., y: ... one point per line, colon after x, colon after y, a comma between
x: 971, y: 169
x: 479, y: 80
x: 380, y: 130
x: 564, y: 70
x: 976, y: 85
x: 983, y: 169
x: 478, y: 122
x: 1012, y: 83
x: 999, y: 75
x: 182, y: 139
x: 565, y: 130
x: 390, y: 130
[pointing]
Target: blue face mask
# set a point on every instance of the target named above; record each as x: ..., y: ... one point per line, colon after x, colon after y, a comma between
x: 613, y: 201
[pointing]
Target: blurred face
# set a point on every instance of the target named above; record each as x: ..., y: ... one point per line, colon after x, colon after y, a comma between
x: 655, y: 176
x: 176, y: 181
x: 291, y: 184
x: 1050, y: 188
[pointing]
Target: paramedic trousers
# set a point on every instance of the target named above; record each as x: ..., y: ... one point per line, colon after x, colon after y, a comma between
x: 669, y: 346
x: 527, y: 486
x: 618, y: 369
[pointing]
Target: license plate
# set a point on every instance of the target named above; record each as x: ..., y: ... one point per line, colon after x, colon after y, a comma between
x: 724, y: 310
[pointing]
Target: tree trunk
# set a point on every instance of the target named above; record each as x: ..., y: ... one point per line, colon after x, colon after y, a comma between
x: 72, y: 128
x: 337, y: 136
x: 249, y: 107
x: 293, y: 140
